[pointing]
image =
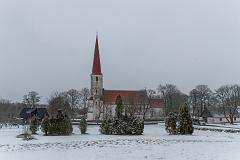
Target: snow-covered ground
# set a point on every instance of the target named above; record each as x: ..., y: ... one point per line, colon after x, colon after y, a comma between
x: 154, y: 144
x: 235, y: 126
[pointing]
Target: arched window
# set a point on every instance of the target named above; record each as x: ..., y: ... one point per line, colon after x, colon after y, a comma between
x: 96, y: 78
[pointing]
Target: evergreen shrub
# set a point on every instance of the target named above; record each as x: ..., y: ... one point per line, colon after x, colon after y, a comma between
x: 121, y: 124
x: 59, y: 125
x: 34, y: 125
x: 83, y: 125
x: 181, y: 124
x: 185, y: 121
x: 45, y: 125
x: 171, y: 123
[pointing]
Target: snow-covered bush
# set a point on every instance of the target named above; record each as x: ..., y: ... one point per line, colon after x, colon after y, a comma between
x: 185, y: 121
x: 171, y: 123
x: 106, y: 126
x: 83, y: 125
x: 60, y: 125
x: 123, y: 126
x: 137, y: 126
x: 45, y: 125
x: 120, y: 124
x: 34, y: 124
x: 181, y: 124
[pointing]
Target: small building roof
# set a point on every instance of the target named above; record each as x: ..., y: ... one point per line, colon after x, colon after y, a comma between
x: 29, y: 112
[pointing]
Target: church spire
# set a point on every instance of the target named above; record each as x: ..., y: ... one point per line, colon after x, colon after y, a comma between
x: 96, y: 68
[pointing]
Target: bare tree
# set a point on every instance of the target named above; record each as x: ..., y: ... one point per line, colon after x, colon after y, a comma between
x: 84, y: 94
x: 107, y: 111
x: 106, y: 108
x: 77, y: 99
x: 58, y: 101
x: 31, y: 99
x: 193, y: 96
x: 131, y: 108
x: 199, y: 98
x: 172, y: 97
x: 144, y: 105
x: 151, y: 93
x: 229, y: 99
x: 100, y: 111
x: 73, y: 97
x: 5, y: 101
x: 137, y: 106
x: 9, y: 110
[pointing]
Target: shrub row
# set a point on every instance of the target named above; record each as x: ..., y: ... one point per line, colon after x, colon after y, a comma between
x: 57, y: 125
x: 123, y: 126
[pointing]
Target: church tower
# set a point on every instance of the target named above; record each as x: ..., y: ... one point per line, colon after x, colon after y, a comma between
x: 96, y: 83
x: 96, y: 76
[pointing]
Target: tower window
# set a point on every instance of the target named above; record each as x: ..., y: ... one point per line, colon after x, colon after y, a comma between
x: 96, y: 91
x: 96, y: 78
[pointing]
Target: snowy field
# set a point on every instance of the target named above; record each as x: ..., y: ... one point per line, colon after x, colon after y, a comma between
x: 155, y: 144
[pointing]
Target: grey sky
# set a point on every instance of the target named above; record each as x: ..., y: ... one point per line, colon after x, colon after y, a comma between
x: 47, y: 45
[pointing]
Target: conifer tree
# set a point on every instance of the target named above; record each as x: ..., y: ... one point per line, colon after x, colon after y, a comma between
x: 185, y: 121
x: 171, y: 123
x: 45, y: 125
x: 119, y: 107
x: 34, y: 125
x: 106, y: 127
x: 121, y: 124
x: 60, y: 125
x: 67, y: 129
x: 83, y: 125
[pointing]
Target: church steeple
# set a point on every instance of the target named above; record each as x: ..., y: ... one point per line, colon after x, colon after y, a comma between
x: 96, y: 68
x: 96, y: 76
x: 96, y: 82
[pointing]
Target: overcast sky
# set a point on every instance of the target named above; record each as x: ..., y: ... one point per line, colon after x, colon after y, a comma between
x: 47, y: 45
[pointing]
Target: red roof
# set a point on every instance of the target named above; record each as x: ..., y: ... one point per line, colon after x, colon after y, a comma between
x: 128, y: 96
x: 96, y: 68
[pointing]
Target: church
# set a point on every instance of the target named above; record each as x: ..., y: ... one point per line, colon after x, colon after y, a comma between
x: 102, y: 101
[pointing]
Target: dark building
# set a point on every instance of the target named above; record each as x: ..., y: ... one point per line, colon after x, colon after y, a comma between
x: 27, y: 113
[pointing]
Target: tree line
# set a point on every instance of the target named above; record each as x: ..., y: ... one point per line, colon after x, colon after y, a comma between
x: 72, y: 101
x: 225, y: 98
